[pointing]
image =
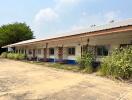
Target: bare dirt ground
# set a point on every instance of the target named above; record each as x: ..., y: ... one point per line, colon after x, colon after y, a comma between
x: 24, y: 81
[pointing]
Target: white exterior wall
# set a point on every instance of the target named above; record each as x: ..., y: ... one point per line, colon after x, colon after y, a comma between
x: 113, y: 40
x: 77, y: 51
x: 65, y: 51
x: 40, y: 56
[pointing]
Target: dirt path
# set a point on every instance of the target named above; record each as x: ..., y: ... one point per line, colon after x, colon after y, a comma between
x: 22, y: 81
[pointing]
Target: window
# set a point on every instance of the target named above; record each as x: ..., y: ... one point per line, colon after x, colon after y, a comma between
x: 25, y: 51
x: 22, y: 51
x: 71, y: 51
x: 51, y: 51
x: 16, y: 51
x: 39, y: 51
x: 125, y: 45
x: 102, y: 50
x: 30, y: 52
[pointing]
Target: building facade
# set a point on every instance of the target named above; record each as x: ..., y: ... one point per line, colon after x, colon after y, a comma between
x: 100, y: 40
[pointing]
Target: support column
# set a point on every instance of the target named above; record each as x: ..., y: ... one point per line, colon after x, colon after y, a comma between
x: 45, y: 52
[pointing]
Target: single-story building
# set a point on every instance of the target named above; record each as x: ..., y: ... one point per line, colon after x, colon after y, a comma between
x: 100, y: 40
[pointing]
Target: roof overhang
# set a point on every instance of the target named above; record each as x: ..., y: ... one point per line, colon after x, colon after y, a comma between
x: 94, y: 31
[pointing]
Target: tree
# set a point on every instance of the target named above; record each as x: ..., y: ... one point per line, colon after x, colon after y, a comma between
x: 16, y: 32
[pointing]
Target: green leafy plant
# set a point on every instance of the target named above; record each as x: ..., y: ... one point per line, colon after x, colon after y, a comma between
x: 118, y: 64
x: 85, y: 62
x: 21, y: 57
x: 16, y: 56
x: 10, y: 55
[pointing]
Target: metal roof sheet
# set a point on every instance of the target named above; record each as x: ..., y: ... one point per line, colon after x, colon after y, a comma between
x: 86, y: 30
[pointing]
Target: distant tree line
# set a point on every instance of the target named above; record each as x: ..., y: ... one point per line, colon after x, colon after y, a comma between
x: 16, y: 32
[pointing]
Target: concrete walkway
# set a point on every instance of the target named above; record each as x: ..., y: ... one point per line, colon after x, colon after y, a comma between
x: 22, y: 81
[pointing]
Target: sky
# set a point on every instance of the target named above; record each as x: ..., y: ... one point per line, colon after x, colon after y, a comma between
x: 52, y: 17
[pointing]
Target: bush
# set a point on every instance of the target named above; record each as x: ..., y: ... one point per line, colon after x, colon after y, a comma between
x: 118, y: 64
x: 21, y: 57
x: 85, y: 62
x: 16, y: 56
x: 4, y: 55
x: 10, y: 55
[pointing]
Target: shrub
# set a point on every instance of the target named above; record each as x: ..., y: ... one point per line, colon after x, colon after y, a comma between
x: 118, y: 64
x: 10, y: 55
x: 16, y: 56
x: 4, y: 55
x: 85, y: 62
x: 21, y: 57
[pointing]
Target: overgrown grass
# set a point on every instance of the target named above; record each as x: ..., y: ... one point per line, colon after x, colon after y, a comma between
x: 84, y: 64
x: 74, y: 68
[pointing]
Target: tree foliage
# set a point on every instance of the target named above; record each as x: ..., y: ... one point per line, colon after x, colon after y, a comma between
x: 16, y: 32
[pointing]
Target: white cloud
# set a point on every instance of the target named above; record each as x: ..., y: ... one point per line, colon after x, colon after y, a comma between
x: 46, y: 15
x: 49, y: 14
x: 42, y: 18
x: 54, y: 14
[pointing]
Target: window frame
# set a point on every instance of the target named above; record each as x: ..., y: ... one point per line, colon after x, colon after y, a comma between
x: 39, y: 51
x: 104, y: 50
x: 30, y: 52
x: 22, y: 51
x: 72, y: 51
x: 125, y: 45
x: 51, y: 52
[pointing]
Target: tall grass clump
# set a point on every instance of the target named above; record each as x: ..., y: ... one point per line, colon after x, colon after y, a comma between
x: 118, y: 65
